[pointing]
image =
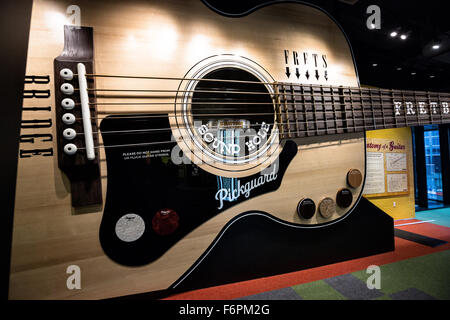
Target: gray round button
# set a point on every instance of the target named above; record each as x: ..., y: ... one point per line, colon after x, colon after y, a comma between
x: 130, y: 227
x: 327, y: 207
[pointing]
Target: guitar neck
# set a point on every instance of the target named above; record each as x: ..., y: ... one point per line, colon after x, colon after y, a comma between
x: 311, y: 110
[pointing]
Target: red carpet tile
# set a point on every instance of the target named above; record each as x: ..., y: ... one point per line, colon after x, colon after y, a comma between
x: 404, y: 249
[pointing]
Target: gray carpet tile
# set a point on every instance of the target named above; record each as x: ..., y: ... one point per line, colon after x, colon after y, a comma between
x: 280, y: 294
x: 411, y: 294
x: 353, y: 288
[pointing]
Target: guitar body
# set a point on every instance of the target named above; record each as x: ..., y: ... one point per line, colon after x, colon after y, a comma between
x: 178, y: 39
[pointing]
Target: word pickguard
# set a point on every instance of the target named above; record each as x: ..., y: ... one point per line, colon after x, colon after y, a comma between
x: 151, y: 202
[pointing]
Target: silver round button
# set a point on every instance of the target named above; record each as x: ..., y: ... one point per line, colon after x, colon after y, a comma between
x: 130, y: 227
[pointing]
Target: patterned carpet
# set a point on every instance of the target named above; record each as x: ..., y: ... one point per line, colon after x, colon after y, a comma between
x: 416, y: 270
x: 421, y: 278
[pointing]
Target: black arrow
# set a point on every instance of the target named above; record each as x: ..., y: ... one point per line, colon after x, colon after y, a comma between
x: 287, y: 72
x: 326, y: 75
x: 307, y: 74
x: 297, y: 73
x: 317, y: 74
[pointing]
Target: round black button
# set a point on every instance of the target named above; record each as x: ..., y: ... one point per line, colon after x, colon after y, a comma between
x: 306, y: 208
x: 344, y: 198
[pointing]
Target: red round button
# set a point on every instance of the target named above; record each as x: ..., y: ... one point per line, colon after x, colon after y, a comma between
x: 165, y: 222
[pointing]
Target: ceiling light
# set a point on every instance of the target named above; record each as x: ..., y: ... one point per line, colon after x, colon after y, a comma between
x: 374, y: 64
x: 413, y: 73
x: 403, y: 36
x: 436, y: 46
x: 393, y: 34
x: 431, y: 76
x: 399, y: 68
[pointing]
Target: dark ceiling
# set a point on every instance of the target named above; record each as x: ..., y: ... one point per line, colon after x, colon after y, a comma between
x: 400, y: 64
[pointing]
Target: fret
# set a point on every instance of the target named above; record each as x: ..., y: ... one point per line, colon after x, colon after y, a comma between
x: 389, y: 109
x: 343, y: 108
x: 416, y: 106
x: 278, y: 119
x: 423, y: 107
x: 352, y: 110
x: 400, y: 118
x: 297, y: 126
x: 404, y: 107
x: 324, y: 111
x: 286, y: 110
x: 373, y: 110
x: 445, y: 116
x: 429, y: 107
x: 314, y: 110
x: 394, y: 108
x: 440, y: 107
x: 305, y: 111
x: 333, y: 105
x: 382, y: 108
x: 363, y: 110
x: 438, y: 116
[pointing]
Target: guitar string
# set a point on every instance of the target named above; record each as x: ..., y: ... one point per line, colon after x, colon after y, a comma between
x: 308, y: 93
x: 294, y: 123
x: 225, y: 80
x: 349, y: 113
x: 286, y: 137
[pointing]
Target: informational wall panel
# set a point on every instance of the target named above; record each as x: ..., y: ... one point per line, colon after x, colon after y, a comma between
x: 389, y: 174
x: 387, y: 167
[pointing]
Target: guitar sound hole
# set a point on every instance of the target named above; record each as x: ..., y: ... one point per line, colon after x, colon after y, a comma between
x: 237, y: 116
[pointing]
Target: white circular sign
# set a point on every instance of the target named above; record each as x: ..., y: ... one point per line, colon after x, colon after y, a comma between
x: 130, y: 227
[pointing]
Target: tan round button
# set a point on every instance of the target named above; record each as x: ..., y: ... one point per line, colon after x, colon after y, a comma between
x: 354, y: 178
x: 327, y: 207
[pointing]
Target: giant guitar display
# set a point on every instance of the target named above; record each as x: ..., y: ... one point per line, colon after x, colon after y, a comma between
x: 171, y: 122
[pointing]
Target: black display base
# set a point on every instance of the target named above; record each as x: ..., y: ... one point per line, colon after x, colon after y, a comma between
x: 256, y: 244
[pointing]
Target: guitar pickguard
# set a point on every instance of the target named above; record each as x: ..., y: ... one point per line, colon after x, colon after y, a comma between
x: 152, y: 202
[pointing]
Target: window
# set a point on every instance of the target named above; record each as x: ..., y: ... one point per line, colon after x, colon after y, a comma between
x: 433, y: 162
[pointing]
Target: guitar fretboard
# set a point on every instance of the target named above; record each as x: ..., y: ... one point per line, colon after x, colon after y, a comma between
x: 311, y: 110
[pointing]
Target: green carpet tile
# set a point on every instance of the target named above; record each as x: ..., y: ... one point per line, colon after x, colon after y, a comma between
x: 425, y: 277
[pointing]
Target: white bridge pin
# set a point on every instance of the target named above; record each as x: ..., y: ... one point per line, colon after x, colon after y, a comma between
x: 70, y: 149
x: 67, y: 88
x: 66, y: 74
x: 68, y: 118
x: 69, y: 134
x: 68, y: 104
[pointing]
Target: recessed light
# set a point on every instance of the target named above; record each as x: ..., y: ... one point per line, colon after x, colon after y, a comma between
x: 399, y: 68
x: 374, y: 64
x: 413, y: 73
x: 403, y: 36
x: 393, y: 34
x: 431, y: 76
x: 436, y: 46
